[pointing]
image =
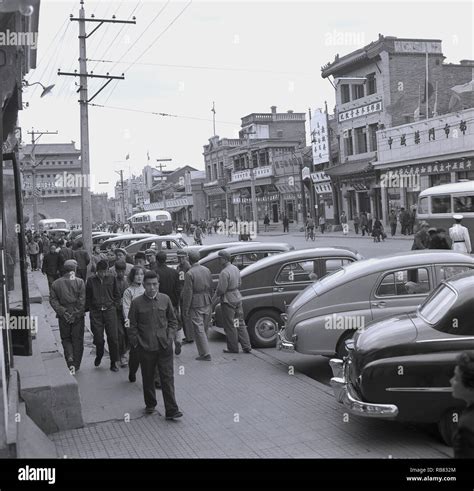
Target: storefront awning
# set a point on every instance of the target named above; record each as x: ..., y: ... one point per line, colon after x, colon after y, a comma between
x: 287, y: 189
x: 349, y: 169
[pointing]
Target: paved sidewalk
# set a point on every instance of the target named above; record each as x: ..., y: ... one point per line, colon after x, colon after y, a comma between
x: 237, y: 406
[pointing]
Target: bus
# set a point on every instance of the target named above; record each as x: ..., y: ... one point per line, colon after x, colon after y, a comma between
x: 50, y: 223
x: 155, y: 222
x: 438, y: 204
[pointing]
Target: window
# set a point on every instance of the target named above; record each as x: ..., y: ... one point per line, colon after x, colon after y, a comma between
x: 168, y: 245
x: 361, y: 139
x: 404, y: 282
x: 438, y: 304
x: 296, y: 272
x: 357, y: 91
x: 446, y: 271
x: 438, y: 179
x: 373, y: 136
x: 333, y: 265
x: 441, y: 204
x: 345, y: 93
x: 469, y: 174
x: 423, y: 206
x: 279, y: 134
x: 241, y: 261
x: 371, y: 84
x: 221, y: 169
x: 463, y: 204
x: 348, y: 143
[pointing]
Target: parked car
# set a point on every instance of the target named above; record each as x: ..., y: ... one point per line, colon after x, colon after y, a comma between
x: 270, y: 284
x: 330, y: 311
x: 168, y: 243
x: 205, y: 250
x: 123, y: 240
x: 243, y: 256
x: 400, y: 367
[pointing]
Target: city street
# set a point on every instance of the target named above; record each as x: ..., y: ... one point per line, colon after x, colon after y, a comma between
x: 240, y: 406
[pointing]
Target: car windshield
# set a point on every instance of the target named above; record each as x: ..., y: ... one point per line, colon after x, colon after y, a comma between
x: 437, y: 304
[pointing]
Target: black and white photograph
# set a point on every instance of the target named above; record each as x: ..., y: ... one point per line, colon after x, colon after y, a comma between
x: 236, y: 233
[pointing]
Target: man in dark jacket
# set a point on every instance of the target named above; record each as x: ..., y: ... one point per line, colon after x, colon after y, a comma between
x: 65, y: 254
x: 50, y: 265
x: 170, y: 285
x: 102, y: 301
x: 439, y: 240
x: 152, y: 325
x: 83, y: 259
x: 67, y: 297
x: 463, y: 388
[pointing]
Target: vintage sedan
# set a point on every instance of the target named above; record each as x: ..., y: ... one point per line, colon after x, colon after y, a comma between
x: 123, y: 240
x: 168, y: 243
x: 399, y: 368
x: 205, y: 250
x: 243, y: 256
x: 270, y: 284
x: 330, y: 311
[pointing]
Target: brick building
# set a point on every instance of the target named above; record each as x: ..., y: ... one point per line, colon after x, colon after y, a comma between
x: 380, y: 86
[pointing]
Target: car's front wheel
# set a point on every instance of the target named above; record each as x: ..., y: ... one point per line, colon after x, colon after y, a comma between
x: 447, y: 425
x: 263, y: 327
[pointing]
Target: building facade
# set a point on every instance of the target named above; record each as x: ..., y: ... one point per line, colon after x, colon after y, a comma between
x: 390, y: 82
x: 51, y: 175
x: 419, y: 155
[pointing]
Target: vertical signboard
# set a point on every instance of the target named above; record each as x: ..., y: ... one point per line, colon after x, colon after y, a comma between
x: 319, y: 137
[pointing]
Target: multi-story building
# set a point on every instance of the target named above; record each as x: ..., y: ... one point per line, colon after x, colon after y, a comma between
x: 415, y: 156
x: 56, y: 168
x: 389, y: 82
x: 268, y: 147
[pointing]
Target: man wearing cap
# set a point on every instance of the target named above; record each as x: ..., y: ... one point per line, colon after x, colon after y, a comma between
x: 182, y: 268
x: 121, y: 255
x: 150, y: 255
x: 461, y: 242
x: 68, y: 298
x: 102, y: 301
x: 169, y: 285
x: 197, y: 301
x: 228, y: 294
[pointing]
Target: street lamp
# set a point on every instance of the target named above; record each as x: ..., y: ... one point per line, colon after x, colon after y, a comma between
x: 46, y: 89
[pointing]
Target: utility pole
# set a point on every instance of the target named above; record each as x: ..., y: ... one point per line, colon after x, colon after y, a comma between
x: 122, y: 193
x: 160, y: 165
x: 84, y: 113
x: 33, y: 169
x: 252, y: 180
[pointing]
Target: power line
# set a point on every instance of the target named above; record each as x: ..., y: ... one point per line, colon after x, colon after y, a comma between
x: 200, y: 67
x: 155, y: 113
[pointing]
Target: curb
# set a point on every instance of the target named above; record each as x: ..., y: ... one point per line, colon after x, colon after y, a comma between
x: 330, y: 236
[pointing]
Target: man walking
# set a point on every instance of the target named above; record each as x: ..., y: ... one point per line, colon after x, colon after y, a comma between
x: 404, y: 220
x: 83, y: 259
x: 356, y: 223
x: 461, y: 242
x: 322, y: 224
x: 150, y: 255
x: 102, y: 301
x: 50, y: 265
x: 364, y: 223
x: 33, y: 250
x: 152, y: 325
x: 169, y: 285
x: 65, y: 254
x: 392, y: 220
x: 68, y: 298
x: 266, y: 222
x: 182, y: 269
x: 197, y: 299
x: 228, y: 294
x: 122, y: 285
x: 286, y: 224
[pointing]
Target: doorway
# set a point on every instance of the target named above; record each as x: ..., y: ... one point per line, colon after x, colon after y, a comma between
x: 275, y: 212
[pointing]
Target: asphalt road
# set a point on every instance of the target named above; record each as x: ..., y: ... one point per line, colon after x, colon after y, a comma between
x: 316, y: 367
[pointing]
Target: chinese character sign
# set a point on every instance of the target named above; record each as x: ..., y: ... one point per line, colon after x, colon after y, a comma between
x: 319, y: 137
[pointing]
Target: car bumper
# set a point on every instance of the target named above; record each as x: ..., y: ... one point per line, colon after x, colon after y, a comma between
x: 283, y: 344
x: 345, y: 394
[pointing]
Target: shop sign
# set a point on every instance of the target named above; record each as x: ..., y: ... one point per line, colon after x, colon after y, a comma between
x: 360, y: 111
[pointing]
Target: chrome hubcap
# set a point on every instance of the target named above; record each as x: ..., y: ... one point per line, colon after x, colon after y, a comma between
x: 266, y: 328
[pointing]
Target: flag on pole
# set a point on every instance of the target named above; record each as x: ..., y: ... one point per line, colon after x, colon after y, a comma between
x: 127, y: 156
x: 148, y: 155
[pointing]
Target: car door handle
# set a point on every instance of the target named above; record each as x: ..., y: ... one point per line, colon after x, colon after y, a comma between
x: 278, y: 289
x: 380, y: 305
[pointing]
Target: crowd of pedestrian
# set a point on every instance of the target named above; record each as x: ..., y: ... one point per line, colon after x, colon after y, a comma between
x: 141, y: 308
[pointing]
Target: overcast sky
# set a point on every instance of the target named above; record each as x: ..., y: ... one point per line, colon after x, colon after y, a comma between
x: 245, y: 56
